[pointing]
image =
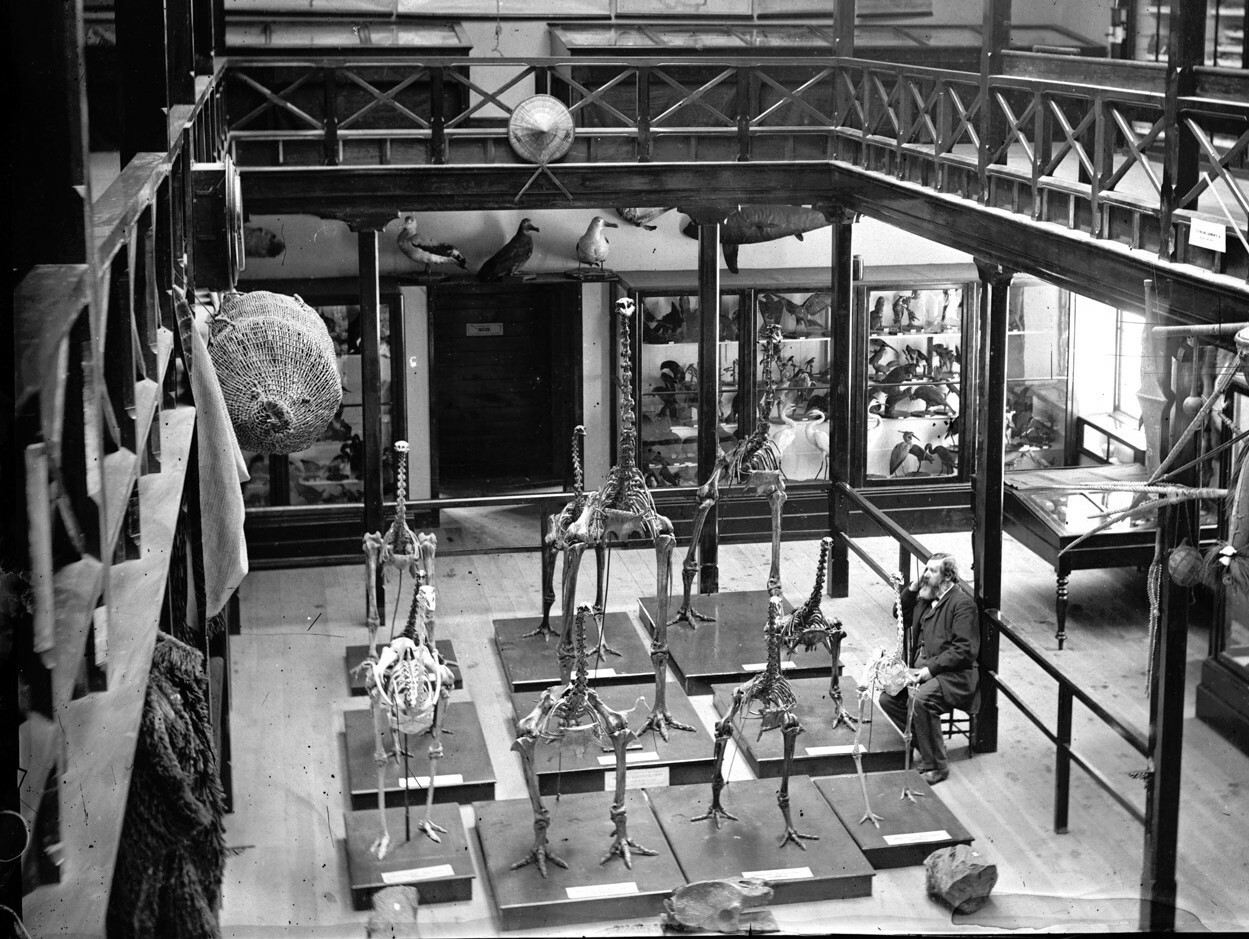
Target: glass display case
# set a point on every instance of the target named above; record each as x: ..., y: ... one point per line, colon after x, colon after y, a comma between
x: 331, y: 470
x: 1038, y: 374
x: 668, y: 368
x: 916, y: 324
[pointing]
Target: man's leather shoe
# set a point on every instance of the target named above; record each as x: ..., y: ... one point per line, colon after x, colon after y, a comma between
x: 934, y: 776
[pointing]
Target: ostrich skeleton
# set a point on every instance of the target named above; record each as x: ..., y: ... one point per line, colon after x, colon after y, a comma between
x: 754, y: 465
x: 575, y: 714
x: 808, y: 627
x: 768, y: 697
x: 621, y: 507
x: 408, y: 686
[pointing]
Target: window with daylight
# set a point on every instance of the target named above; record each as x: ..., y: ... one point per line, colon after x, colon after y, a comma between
x: 1129, y: 331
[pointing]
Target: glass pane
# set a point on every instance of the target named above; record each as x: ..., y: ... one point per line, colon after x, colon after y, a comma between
x: 792, y: 37
x: 332, y: 469
x: 868, y: 36
x: 948, y: 36
x: 1128, y: 367
x: 1036, y: 370
x: 799, y: 420
x: 668, y: 375
x: 699, y: 38
x: 914, y: 372
x: 730, y: 401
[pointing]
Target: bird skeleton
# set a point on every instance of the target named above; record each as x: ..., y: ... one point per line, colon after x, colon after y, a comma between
x: 755, y: 466
x: 769, y: 698
x: 622, y: 507
x: 408, y: 686
x: 575, y: 714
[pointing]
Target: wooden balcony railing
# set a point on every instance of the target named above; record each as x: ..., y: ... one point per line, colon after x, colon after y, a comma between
x: 1077, y: 145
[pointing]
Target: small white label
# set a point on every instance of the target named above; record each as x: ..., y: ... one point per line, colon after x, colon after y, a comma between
x: 413, y: 874
x: 637, y: 778
x: 483, y: 329
x: 760, y: 666
x: 780, y: 873
x: 637, y: 756
x: 596, y: 891
x: 422, y: 782
x: 602, y: 673
x: 831, y: 751
x: 1209, y: 235
x: 917, y: 837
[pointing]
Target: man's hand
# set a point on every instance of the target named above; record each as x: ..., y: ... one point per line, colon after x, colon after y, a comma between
x: 919, y: 675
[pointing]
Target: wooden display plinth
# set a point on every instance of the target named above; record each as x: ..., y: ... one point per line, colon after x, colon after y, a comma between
x: 829, y: 869
x: 730, y: 648
x: 820, y: 750
x: 909, y: 831
x: 533, y: 664
x: 686, y: 757
x: 464, y: 772
x: 357, y: 654
x: 441, y: 872
x: 580, y: 833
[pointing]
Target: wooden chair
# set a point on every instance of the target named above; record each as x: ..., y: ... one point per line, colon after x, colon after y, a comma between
x: 960, y: 721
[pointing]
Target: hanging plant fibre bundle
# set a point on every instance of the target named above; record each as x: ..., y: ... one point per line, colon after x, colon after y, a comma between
x: 278, y: 372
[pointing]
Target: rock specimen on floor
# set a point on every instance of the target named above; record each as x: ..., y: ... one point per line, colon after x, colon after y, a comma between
x: 960, y: 878
x: 728, y: 906
x: 394, y: 914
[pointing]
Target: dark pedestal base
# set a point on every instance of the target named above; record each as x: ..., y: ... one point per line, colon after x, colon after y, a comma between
x: 831, y: 868
x: 464, y: 772
x: 441, y: 872
x: 357, y: 654
x: 684, y: 758
x: 730, y: 648
x: 820, y: 750
x: 580, y: 833
x: 533, y: 664
x: 909, y: 831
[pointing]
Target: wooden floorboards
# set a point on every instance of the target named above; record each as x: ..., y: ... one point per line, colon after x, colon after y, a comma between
x: 286, y: 875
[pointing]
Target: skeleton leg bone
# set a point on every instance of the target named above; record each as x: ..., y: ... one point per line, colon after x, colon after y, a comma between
x: 907, y: 791
x: 724, y: 728
x: 541, y: 852
x: 621, y: 844
x: 791, y: 728
x: 857, y: 752
x: 427, y: 824
x: 777, y: 498
x: 552, y: 544
x: 381, y: 844
x: 840, y: 714
x: 708, y: 495
x: 600, y: 602
x: 572, y: 565
x: 660, y: 719
x: 372, y: 616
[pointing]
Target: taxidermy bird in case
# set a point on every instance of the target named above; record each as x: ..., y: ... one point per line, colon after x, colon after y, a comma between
x: 428, y: 253
x: 509, y: 259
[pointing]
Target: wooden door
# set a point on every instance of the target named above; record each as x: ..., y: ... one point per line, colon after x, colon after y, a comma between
x: 505, y: 386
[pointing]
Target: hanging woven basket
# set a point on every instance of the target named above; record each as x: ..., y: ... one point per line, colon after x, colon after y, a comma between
x: 540, y: 129
x: 275, y: 361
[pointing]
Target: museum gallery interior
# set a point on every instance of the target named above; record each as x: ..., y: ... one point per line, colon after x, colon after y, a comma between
x: 583, y: 467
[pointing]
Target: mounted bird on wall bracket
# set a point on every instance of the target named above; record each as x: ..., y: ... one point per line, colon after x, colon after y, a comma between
x: 592, y: 248
x: 509, y: 259
x: 429, y: 253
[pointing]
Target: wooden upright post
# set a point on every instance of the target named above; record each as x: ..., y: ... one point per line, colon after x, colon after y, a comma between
x: 987, y: 475
x: 143, y: 76
x: 371, y: 370
x: 708, y: 399
x: 843, y: 27
x: 1186, y: 49
x: 841, y: 333
x: 995, y: 38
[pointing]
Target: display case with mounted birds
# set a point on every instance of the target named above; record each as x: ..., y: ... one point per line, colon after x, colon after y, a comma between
x: 944, y: 457
x: 592, y: 249
x: 907, y: 456
x: 508, y: 260
x: 667, y: 328
x: 430, y: 253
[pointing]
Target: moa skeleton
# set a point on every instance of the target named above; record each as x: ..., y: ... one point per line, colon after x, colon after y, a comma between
x: 754, y: 465
x: 623, y: 506
x: 768, y: 697
x: 575, y: 714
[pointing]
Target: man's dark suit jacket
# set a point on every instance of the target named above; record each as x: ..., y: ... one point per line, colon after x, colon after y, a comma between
x: 945, y: 636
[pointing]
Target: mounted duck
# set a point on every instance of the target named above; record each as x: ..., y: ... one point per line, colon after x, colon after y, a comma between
x: 509, y: 259
x: 592, y: 247
x: 429, y: 253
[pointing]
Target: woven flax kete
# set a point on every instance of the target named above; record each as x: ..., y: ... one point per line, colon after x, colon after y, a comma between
x: 275, y: 361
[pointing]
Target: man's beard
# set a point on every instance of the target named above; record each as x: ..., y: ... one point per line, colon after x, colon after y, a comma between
x: 927, y: 591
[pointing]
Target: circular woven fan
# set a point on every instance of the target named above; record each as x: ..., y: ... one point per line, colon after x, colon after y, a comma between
x: 540, y: 129
x: 279, y: 376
